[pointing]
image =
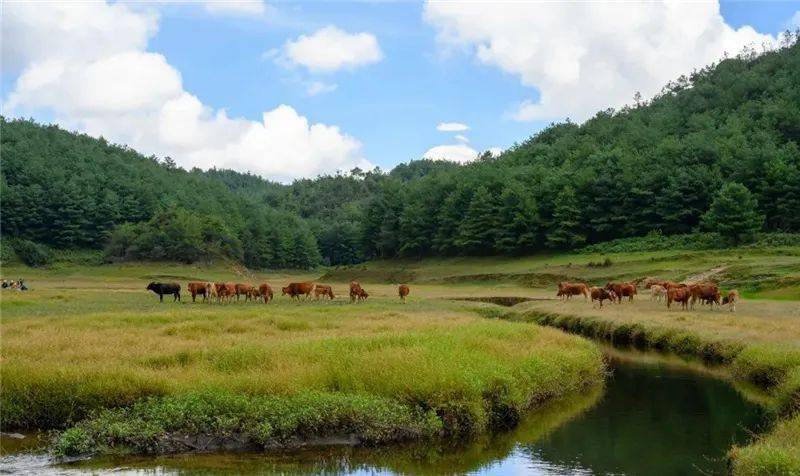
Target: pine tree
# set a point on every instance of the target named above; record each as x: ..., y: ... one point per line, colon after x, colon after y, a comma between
x: 518, y: 224
x: 477, y: 232
x: 734, y: 214
x: 565, y: 229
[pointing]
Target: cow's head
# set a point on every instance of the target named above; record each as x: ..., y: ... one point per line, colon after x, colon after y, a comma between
x: 285, y: 291
x: 612, y: 295
x: 151, y: 286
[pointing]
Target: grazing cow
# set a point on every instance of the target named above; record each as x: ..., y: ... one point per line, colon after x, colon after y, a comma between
x: 567, y: 290
x: 355, y: 291
x: 657, y: 292
x: 244, y: 290
x: 295, y: 290
x: 165, y: 288
x: 265, y: 290
x: 403, y: 291
x: 600, y: 294
x: 678, y: 294
x: 211, y: 291
x: 225, y: 291
x: 622, y: 290
x: 730, y: 300
x: 198, y: 287
x: 706, y: 292
x: 363, y: 295
x: 323, y: 290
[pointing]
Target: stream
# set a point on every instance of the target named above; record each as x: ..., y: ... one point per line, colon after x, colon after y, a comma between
x: 651, y: 418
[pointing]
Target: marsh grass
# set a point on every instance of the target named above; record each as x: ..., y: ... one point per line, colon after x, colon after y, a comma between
x: 73, y: 354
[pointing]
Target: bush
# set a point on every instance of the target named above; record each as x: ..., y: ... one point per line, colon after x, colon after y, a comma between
x: 656, y: 241
x: 32, y: 254
x: 6, y: 252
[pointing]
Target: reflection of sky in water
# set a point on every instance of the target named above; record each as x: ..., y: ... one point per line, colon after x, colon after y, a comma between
x: 650, y: 420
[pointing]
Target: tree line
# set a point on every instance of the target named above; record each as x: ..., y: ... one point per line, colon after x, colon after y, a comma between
x: 716, y: 150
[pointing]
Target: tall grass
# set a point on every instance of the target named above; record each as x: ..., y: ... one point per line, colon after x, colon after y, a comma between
x: 62, y: 365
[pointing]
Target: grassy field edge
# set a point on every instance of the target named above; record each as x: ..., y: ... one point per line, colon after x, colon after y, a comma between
x: 771, y: 367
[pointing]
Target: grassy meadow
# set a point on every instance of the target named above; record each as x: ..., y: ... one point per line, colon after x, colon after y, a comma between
x: 88, y: 349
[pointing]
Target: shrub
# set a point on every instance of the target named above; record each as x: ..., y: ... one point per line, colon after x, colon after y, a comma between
x: 32, y: 254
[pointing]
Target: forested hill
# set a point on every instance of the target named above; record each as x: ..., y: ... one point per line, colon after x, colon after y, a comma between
x: 716, y: 150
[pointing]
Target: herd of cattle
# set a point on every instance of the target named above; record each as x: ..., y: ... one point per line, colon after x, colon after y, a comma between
x: 684, y: 293
x: 224, y: 292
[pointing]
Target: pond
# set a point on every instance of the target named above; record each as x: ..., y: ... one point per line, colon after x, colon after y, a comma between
x: 651, y: 418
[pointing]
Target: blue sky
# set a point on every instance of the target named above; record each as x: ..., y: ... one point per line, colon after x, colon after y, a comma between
x: 504, y: 75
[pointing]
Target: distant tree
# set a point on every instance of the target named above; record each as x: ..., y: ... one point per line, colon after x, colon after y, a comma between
x: 477, y: 231
x: 734, y: 214
x: 565, y: 229
x: 518, y: 224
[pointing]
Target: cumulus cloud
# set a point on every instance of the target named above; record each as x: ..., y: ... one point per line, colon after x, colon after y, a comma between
x: 330, y: 49
x: 586, y: 56
x: 236, y: 7
x: 451, y: 127
x: 460, y: 153
x: 86, y: 64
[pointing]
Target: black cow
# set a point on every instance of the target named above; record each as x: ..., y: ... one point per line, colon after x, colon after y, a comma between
x: 165, y: 288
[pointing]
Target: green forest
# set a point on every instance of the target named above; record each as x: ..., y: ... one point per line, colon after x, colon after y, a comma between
x: 717, y: 150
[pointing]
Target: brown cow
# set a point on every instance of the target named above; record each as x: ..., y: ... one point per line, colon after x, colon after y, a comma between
x: 265, y: 291
x: 198, y: 287
x: 566, y: 290
x: 672, y: 284
x: 600, y: 294
x: 730, y: 300
x: 323, y: 290
x: 403, y: 291
x: 678, y: 294
x: 355, y: 291
x: 363, y: 295
x: 657, y: 291
x: 225, y: 291
x: 622, y: 290
x: 706, y: 292
x: 243, y: 290
x: 295, y: 290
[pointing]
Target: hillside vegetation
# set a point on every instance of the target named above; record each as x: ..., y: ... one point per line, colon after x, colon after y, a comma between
x: 717, y: 150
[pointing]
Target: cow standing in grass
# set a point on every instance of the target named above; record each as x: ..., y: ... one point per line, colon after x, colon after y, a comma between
x: 731, y: 299
x: 403, y: 291
x: 245, y: 290
x: 165, y: 288
x: 622, y: 290
x: 198, y: 288
x: 295, y: 290
x: 265, y: 292
x: 678, y: 294
x: 324, y: 291
x: 600, y: 294
x: 657, y: 292
x: 225, y: 291
x: 355, y: 291
x: 567, y: 290
x: 708, y: 293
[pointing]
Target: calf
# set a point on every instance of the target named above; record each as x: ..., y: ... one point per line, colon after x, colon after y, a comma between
x: 165, y: 288
x: 225, y: 291
x: 355, y: 291
x: 622, y: 290
x: 323, y: 290
x: 731, y: 299
x: 657, y: 292
x: 705, y: 292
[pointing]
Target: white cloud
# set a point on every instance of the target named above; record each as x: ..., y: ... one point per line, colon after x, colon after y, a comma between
x: 586, y: 56
x: 461, y: 138
x: 86, y: 64
x: 315, y: 88
x: 330, y: 49
x: 460, y: 153
x: 451, y: 127
x: 495, y: 151
x: 236, y: 7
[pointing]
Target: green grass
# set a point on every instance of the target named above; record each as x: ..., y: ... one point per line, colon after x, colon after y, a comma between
x: 76, y: 354
x: 90, y: 341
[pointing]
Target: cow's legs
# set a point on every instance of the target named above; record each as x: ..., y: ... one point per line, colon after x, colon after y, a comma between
x: 160, y: 298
